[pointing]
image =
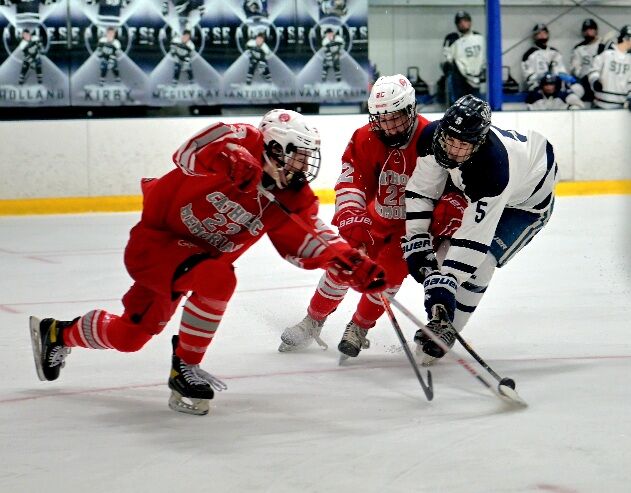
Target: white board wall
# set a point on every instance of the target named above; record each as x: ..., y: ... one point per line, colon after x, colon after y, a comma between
x: 91, y: 158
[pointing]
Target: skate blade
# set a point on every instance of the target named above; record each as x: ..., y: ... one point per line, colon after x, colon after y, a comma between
x: 422, y: 358
x: 36, y: 344
x: 181, y: 404
x: 343, y: 358
x: 288, y: 348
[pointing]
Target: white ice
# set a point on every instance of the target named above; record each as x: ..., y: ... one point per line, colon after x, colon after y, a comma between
x: 556, y: 320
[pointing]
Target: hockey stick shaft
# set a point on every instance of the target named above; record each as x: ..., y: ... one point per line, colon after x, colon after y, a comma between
x: 471, y: 370
x: 428, y: 388
x: 308, y: 228
x: 477, y: 357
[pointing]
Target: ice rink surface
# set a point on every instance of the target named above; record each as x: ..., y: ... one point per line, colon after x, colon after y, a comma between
x: 556, y: 319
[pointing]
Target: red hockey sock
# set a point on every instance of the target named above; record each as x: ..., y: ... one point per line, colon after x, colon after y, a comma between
x: 212, y: 284
x: 99, y: 329
x: 369, y: 308
x: 200, y: 320
x: 327, y: 297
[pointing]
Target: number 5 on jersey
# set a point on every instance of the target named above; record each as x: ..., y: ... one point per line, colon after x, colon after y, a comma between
x: 479, y: 211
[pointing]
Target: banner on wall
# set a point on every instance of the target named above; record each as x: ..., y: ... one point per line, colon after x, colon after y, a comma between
x: 34, y: 53
x: 183, y: 52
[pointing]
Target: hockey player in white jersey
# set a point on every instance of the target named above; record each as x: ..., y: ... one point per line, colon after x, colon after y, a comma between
x: 583, y: 55
x: 508, y: 180
x: 541, y: 58
x: 259, y: 52
x: 31, y: 48
x: 108, y: 51
x: 610, y: 76
x: 464, y: 59
x: 332, y: 46
x: 182, y: 51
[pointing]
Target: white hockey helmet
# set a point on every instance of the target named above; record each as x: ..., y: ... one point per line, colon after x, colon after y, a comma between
x: 291, y: 148
x: 392, y: 109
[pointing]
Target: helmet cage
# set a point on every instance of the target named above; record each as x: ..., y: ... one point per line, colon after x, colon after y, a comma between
x: 394, y: 128
x: 291, y: 148
x: 292, y: 166
x: 468, y: 121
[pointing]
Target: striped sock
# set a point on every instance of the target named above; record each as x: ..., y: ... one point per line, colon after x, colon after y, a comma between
x: 200, y: 320
x: 90, y: 331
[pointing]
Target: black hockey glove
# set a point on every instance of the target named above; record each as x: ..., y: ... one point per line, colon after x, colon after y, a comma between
x: 440, y: 289
x: 418, y: 253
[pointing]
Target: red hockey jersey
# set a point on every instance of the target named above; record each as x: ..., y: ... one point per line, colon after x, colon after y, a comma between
x: 196, y: 209
x: 374, y: 177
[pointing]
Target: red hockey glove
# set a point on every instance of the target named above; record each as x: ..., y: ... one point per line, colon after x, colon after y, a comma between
x: 354, y: 226
x: 357, y: 270
x: 243, y: 169
x: 447, y: 215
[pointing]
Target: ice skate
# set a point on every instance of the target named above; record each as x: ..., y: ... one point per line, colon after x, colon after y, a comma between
x: 301, y: 335
x: 191, y: 387
x: 440, y: 326
x: 49, y: 352
x: 353, y: 341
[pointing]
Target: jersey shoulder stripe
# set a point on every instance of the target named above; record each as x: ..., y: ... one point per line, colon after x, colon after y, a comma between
x: 529, y: 52
x: 424, y: 142
x: 486, y: 174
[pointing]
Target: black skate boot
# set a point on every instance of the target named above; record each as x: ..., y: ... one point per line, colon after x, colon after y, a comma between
x: 192, y: 383
x: 49, y: 352
x: 353, y: 341
x: 440, y: 326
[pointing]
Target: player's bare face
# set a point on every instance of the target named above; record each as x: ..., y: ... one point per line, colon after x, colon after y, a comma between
x: 457, y: 150
x: 393, y: 123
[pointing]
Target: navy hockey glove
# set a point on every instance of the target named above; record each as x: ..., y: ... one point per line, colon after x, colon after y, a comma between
x: 440, y: 289
x: 418, y: 253
x: 567, y: 78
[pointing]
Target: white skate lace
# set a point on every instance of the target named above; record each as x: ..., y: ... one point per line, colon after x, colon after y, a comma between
x: 310, y: 329
x: 314, y: 331
x: 57, y: 356
x: 443, y: 331
x: 356, y: 336
x: 194, y: 375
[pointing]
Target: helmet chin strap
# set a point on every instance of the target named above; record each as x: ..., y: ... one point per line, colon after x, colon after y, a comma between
x: 277, y: 174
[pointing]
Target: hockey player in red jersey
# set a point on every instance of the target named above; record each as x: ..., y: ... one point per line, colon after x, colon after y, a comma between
x: 369, y: 212
x: 196, y: 221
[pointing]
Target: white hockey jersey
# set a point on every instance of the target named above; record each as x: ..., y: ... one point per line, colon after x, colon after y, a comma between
x: 537, y: 61
x: 613, y: 69
x: 509, y: 170
x: 582, y: 57
x: 182, y: 52
x: 468, y: 52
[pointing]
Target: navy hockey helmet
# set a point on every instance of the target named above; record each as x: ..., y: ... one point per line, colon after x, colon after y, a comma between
x: 467, y: 120
x: 625, y: 33
x: 589, y: 24
x: 549, y: 78
x: 462, y: 15
x: 540, y: 28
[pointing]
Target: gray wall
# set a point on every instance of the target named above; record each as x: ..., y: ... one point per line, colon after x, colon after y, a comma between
x: 407, y: 32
